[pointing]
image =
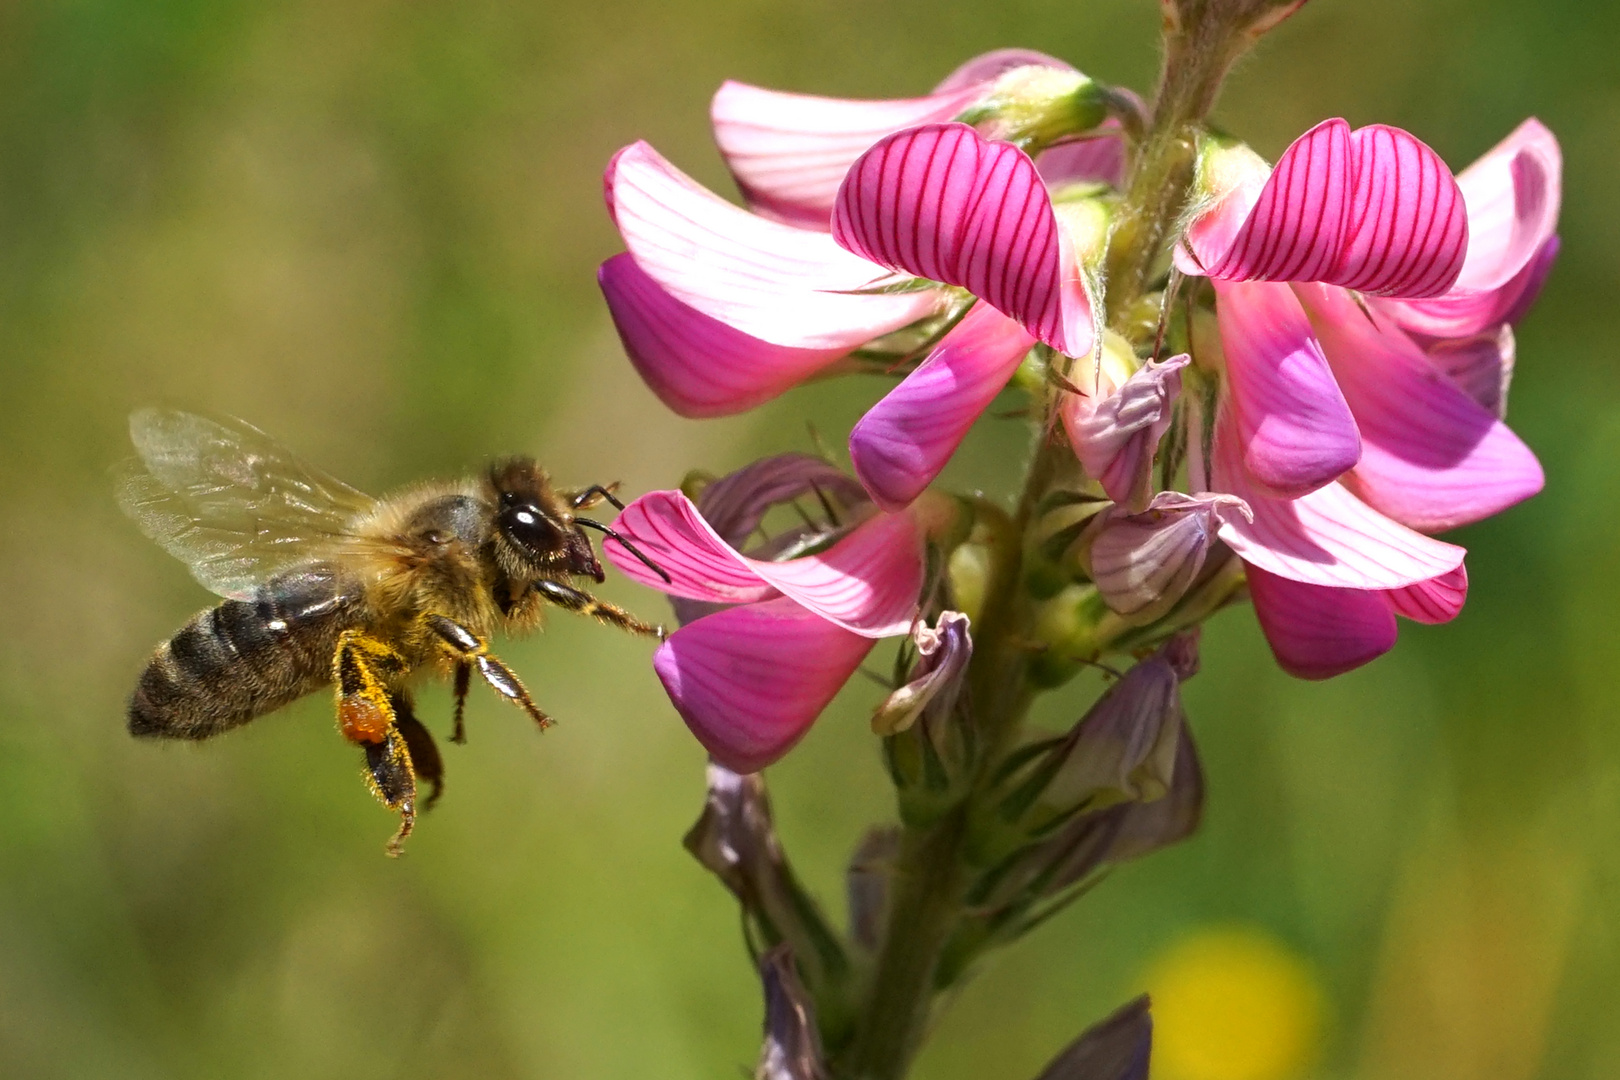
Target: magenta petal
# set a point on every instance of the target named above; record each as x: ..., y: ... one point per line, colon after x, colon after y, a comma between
x: 1296, y: 431
x: 696, y: 365
x: 1372, y: 209
x: 1316, y: 632
x: 1481, y: 366
x: 904, y: 440
x: 1097, y: 159
x: 1408, y: 226
x: 1437, y: 600
x: 789, y: 152
x: 749, y: 681
x: 1461, y: 313
x: 943, y: 203
x: 773, y: 282
x: 868, y: 581
x: 1432, y: 458
x: 1328, y: 537
x: 1513, y: 194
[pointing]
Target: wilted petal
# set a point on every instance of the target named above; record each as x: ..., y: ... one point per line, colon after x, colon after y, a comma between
x: 1141, y: 559
x: 749, y: 681
x: 789, y: 152
x: 1438, y: 600
x: 1328, y: 537
x: 1372, y: 209
x: 1116, y: 437
x: 1432, y: 457
x: 1481, y: 366
x: 1117, y: 1048
x: 867, y: 582
x: 771, y: 281
x: 903, y: 441
x: 1295, y: 429
x: 697, y: 365
x: 1317, y: 632
x: 944, y: 651
x: 942, y: 202
x: 792, y: 1049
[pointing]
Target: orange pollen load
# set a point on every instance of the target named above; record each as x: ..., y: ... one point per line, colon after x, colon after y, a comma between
x: 361, y: 720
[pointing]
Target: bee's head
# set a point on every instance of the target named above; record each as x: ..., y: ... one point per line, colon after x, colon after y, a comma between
x: 535, y: 533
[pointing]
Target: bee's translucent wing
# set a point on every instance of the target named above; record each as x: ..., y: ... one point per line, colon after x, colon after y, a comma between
x: 229, y: 501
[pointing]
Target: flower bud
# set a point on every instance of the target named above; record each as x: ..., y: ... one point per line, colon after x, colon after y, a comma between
x: 735, y: 840
x: 1116, y: 1048
x: 1143, y: 563
x: 1123, y: 750
x: 930, y: 745
x: 792, y: 1049
x: 1036, y: 105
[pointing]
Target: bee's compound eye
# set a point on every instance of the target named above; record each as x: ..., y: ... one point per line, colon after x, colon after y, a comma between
x: 531, y: 530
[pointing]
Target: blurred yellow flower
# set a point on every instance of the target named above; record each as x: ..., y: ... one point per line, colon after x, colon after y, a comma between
x: 1233, y: 1003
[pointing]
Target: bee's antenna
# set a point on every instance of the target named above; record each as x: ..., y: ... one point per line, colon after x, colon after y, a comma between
x: 627, y: 545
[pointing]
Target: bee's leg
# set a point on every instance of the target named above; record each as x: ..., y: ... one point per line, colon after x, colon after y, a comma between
x: 392, y: 779
x: 425, y: 759
x: 576, y: 600
x: 463, y: 683
x: 367, y: 712
x: 586, y: 498
x: 470, y: 649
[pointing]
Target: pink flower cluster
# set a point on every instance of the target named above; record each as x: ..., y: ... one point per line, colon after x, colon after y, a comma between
x: 1364, y: 296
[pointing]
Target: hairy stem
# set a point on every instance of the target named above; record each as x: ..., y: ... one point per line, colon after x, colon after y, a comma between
x: 930, y: 874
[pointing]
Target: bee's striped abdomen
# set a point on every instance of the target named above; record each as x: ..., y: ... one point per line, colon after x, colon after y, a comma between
x: 245, y: 658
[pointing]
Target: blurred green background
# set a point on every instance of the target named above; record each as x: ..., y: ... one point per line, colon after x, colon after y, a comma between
x: 370, y: 228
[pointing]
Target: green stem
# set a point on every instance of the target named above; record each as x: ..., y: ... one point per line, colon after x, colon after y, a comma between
x: 930, y: 873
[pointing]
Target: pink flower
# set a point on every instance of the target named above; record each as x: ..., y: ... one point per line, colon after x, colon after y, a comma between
x: 751, y: 675
x: 722, y: 309
x: 1343, y: 436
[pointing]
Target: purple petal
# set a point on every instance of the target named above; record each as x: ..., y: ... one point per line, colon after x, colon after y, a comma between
x: 1437, y: 600
x: 904, y: 440
x: 1328, y: 537
x: 1481, y: 366
x: 1151, y: 557
x: 736, y: 503
x: 1116, y: 437
x: 696, y: 365
x: 789, y: 152
x: 1432, y: 457
x: 773, y: 282
x: 868, y: 582
x: 1317, y: 632
x: 1295, y: 429
x: 749, y: 681
x: 1372, y: 209
x: 1117, y: 1048
x: 1096, y: 159
x: 943, y: 203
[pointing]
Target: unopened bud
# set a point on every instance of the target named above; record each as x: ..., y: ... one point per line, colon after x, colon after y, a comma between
x: 1036, y: 105
x: 1116, y: 1048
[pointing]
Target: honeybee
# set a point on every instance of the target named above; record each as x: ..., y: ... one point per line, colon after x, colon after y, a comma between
x: 324, y: 585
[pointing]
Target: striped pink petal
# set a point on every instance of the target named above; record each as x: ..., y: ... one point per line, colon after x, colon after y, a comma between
x: 749, y: 681
x: 697, y: 365
x: 1437, y: 600
x: 1432, y: 457
x: 1116, y: 437
x: 1293, y: 425
x: 1317, y: 632
x: 904, y: 440
x: 771, y: 281
x: 1372, y: 209
x: 868, y: 582
x: 1464, y: 314
x: 1328, y: 537
x: 943, y: 203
